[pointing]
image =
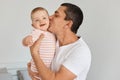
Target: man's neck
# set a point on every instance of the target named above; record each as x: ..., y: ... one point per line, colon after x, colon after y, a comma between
x: 65, y: 39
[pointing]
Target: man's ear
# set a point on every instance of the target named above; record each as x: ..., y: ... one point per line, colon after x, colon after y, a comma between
x: 69, y: 24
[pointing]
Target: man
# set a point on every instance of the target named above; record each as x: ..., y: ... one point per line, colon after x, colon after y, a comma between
x: 72, y: 58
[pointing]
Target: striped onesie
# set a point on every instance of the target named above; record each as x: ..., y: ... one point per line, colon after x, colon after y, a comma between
x: 47, y: 47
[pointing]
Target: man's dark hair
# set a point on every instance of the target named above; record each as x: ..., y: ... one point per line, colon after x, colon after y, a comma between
x: 75, y: 14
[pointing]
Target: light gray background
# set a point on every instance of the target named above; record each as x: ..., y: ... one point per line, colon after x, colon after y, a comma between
x: 100, y: 29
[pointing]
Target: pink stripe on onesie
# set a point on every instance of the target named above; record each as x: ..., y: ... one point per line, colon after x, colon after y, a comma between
x: 47, y: 47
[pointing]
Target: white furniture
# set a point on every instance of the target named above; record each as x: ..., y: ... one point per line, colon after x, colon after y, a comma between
x: 4, y: 75
x: 21, y: 74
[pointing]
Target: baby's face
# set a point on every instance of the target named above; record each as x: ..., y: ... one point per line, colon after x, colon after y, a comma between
x: 40, y: 20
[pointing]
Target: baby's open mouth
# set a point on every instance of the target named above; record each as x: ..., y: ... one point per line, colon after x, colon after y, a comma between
x: 42, y: 24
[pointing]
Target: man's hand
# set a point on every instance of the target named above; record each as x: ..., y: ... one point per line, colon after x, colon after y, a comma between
x: 31, y: 74
x: 35, y: 47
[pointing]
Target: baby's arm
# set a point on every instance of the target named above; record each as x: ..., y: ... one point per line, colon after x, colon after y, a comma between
x: 27, y: 41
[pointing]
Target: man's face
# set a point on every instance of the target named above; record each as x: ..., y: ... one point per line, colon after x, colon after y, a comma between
x: 57, y: 22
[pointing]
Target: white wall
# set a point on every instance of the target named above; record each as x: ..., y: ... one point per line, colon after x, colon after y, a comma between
x: 100, y: 30
x: 15, y: 24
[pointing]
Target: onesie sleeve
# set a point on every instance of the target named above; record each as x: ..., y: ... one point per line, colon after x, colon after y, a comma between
x: 78, y: 60
x: 35, y: 34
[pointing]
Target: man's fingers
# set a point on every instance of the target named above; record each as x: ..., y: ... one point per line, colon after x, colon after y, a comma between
x: 39, y: 39
x: 28, y: 64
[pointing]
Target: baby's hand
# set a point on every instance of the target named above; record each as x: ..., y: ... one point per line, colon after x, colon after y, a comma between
x: 27, y: 41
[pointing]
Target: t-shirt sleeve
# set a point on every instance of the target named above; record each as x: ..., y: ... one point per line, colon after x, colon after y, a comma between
x: 78, y: 60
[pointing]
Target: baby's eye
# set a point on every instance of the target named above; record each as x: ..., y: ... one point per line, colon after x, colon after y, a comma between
x: 36, y: 20
x: 44, y: 17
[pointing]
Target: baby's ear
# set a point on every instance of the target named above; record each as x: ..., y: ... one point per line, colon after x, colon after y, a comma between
x: 31, y: 24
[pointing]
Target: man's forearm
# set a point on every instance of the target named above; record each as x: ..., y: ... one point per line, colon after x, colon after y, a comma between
x: 44, y: 72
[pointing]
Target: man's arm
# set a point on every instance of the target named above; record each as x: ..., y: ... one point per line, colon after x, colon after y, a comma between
x: 44, y: 72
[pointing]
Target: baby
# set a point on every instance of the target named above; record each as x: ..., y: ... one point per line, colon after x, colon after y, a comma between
x: 40, y: 23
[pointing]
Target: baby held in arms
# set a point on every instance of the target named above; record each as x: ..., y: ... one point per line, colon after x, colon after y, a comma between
x: 40, y: 24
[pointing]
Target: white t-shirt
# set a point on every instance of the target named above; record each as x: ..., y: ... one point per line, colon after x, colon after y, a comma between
x: 76, y: 57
